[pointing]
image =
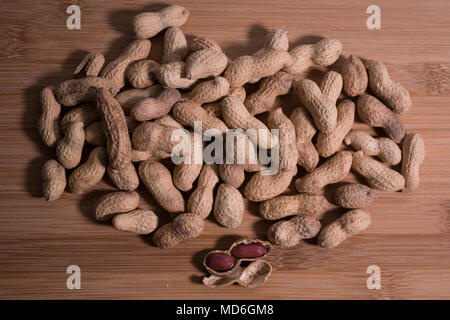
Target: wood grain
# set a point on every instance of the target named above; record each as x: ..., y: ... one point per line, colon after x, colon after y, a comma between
x: 410, y: 235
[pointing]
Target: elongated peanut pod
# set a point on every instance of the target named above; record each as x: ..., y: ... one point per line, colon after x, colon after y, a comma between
x: 175, y: 47
x: 351, y: 223
x: 232, y: 174
x: 185, y: 173
x: 185, y: 226
x: 53, y: 180
x: 91, y: 65
x: 288, y: 233
x: 376, y: 114
x: 209, y: 91
x: 149, y: 24
x: 377, y: 174
x: 151, y: 108
x: 138, y: 221
x: 116, y: 202
x: 173, y: 75
x: 354, y: 196
x: 206, y: 63
x: 215, y: 108
x: 89, y: 173
x: 201, y: 200
x: 125, y: 179
x: 329, y: 144
x: 142, y: 73
x: 263, y: 187
x: 85, y: 113
x: 275, y: 39
x: 354, y: 76
x: 331, y: 171
x: 303, y: 204
x: 228, y: 206
x: 70, y: 147
x: 128, y: 98
x: 395, y: 96
x: 304, y: 132
x: 48, y: 123
x: 118, y: 142
x: 158, y: 180
x: 413, y: 157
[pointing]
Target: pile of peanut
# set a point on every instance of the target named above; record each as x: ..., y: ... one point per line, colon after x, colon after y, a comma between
x: 129, y: 108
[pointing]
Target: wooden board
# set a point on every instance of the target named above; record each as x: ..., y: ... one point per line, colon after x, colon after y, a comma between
x: 409, y: 238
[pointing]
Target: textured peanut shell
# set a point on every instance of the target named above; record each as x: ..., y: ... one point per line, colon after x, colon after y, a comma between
x: 209, y: 91
x: 149, y: 24
x: 215, y: 108
x: 116, y: 202
x: 288, y: 233
x: 329, y: 144
x: 175, y: 47
x: 252, y: 276
x: 185, y: 174
x: 413, y: 156
x: 173, y: 75
x: 185, y: 226
x: 91, y: 65
x: 151, y: 108
x: 53, y: 180
x: 201, y: 201
x: 351, y: 223
x: 275, y: 39
x: 304, y: 132
x: 128, y: 98
x: 70, y: 147
x: 201, y: 43
x: 85, y: 113
x: 158, y: 180
x: 354, y: 196
x: 141, y: 74
x: 246, y: 68
x: 354, y: 76
x: 95, y: 134
x: 75, y: 91
x: 138, y: 221
x: 263, y: 187
x: 205, y: 63
x: 378, y: 176
x: 331, y: 171
x: 139, y: 156
x: 236, y: 116
x: 228, y: 206
x: 392, y: 93
x: 125, y: 179
x: 48, y: 123
x: 89, y: 173
x: 154, y: 138
x: 270, y: 88
x: 376, y: 114
x: 303, y: 204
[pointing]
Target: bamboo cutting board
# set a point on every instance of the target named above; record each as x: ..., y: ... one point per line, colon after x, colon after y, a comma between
x: 409, y: 239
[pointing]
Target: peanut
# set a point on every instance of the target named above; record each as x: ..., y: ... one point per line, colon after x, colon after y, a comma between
x: 92, y: 63
x: 373, y: 112
x: 413, y: 156
x: 249, y: 250
x: 138, y: 221
x: 185, y: 173
x: 128, y: 98
x: 323, y: 53
x: 331, y: 171
x: 229, y: 207
x: 392, y: 93
x: 141, y: 74
x: 206, y: 62
x: 263, y: 99
x: 236, y: 116
x: 354, y: 196
x: 183, y: 227
x: 116, y: 202
x: 386, y: 149
x: 249, y: 68
x: 215, y: 108
x: 118, y: 144
x: 89, y: 173
x: 172, y: 75
x: 276, y: 39
x: 209, y: 91
x: 354, y: 76
x: 125, y: 179
x: 149, y: 24
x: 151, y: 108
x: 329, y: 144
x: 303, y: 204
x: 158, y: 180
x: 351, y: 223
x: 48, y: 124
x: 85, y: 113
x: 263, y: 187
x: 95, y: 134
x: 139, y: 156
x: 53, y: 180
x: 70, y: 147
x: 288, y: 233
x: 201, y: 200
x: 321, y: 101
x: 304, y: 132
x: 220, y: 261
x: 175, y: 46
x: 377, y: 174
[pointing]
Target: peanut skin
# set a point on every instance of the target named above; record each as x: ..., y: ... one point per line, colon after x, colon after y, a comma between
x: 138, y: 221
x: 354, y: 196
x: 49, y: 120
x: 220, y: 261
x: 413, y: 156
x: 354, y: 76
x: 183, y: 227
x: 303, y: 204
x: 151, y: 108
x: 53, y: 180
x: 288, y: 233
x: 228, y: 206
x: 351, y: 223
x: 116, y: 202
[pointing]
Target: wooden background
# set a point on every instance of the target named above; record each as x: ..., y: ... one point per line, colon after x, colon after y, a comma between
x: 409, y: 238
